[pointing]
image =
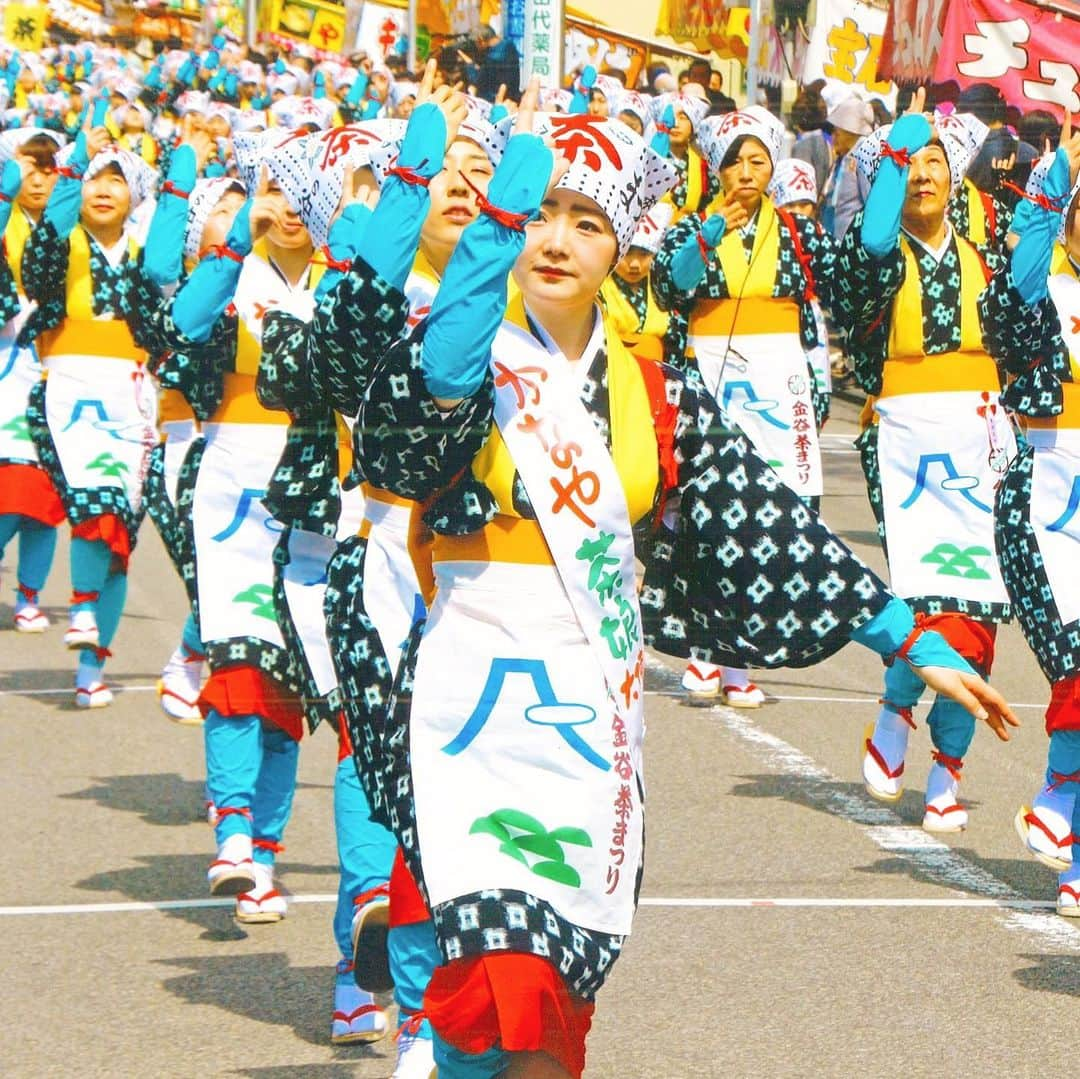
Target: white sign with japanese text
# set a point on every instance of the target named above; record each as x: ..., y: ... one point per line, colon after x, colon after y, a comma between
x: 845, y: 46
x: 543, y: 42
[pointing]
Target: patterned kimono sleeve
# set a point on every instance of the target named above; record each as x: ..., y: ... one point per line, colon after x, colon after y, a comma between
x: 744, y: 572
x: 863, y: 290
x: 140, y: 304
x: 821, y: 254
x: 669, y: 297
x: 9, y: 292
x: 353, y: 326
x: 1025, y: 341
x: 44, y: 277
x: 407, y: 444
x: 195, y: 368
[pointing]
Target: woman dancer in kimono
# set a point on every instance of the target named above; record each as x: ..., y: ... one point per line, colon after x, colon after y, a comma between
x: 93, y: 419
x: 1030, y: 315
x: 256, y: 255
x: 542, y: 442
x: 745, y: 280
x: 374, y: 590
x: 907, y: 292
x: 30, y: 508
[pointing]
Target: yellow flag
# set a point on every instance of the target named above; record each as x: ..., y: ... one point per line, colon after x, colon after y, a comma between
x: 24, y: 26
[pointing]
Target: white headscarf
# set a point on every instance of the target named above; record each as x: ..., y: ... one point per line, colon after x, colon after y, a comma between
x: 138, y: 175
x: 205, y: 195
x: 793, y: 180
x: 611, y: 165
x: 652, y: 228
x: 718, y: 134
x: 12, y: 141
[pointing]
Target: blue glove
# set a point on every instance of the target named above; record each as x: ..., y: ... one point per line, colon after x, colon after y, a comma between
x: 345, y: 242
x: 65, y: 203
x: 10, y: 183
x: 357, y: 90
x: 881, y: 217
x: 498, y: 112
x: 579, y: 104
x: 163, y: 257
x: 210, y: 60
x: 154, y: 77
x: 189, y: 71
x: 687, y: 264
x: 101, y: 109
x: 279, y: 67
x: 232, y: 85
x: 402, y: 207
x: 318, y: 84
x: 204, y: 296
x: 88, y: 61
x: 371, y: 109
x: 1030, y: 262
x: 471, y: 302
x: 886, y: 632
x: 661, y: 141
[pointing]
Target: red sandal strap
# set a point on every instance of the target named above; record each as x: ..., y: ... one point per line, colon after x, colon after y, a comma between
x: 1036, y: 822
x: 697, y: 673
x: 956, y: 807
x: 951, y: 764
x: 882, y: 763
x: 1068, y: 888
x: 166, y: 692
x: 225, y: 861
x: 356, y: 1013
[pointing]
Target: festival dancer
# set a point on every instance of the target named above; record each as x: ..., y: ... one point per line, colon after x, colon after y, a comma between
x: 93, y: 419
x: 907, y: 292
x: 30, y: 508
x: 679, y: 120
x: 745, y: 280
x: 628, y: 296
x: 531, y: 868
x: 1029, y: 312
x: 251, y: 704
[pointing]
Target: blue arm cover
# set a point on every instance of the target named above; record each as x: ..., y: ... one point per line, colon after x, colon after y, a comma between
x: 357, y: 90
x: 1030, y: 266
x: 402, y: 206
x: 10, y: 182
x: 886, y: 632
x: 469, y: 306
x: 65, y: 202
x: 101, y: 111
x: 661, y: 141
x: 164, y: 258
x: 579, y: 103
x: 345, y: 239
x: 881, y: 217
x: 687, y: 265
x: 212, y: 284
x: 319, y: 85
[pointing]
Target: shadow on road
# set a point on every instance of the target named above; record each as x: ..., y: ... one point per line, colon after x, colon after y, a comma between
x: 264, y: 987
x: 164, y: 798
x: 1051, y: 974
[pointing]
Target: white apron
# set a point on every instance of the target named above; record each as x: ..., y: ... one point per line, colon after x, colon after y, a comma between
x: 761, y: 382
x: 1055, y: 513
x: 527, y: 715
x: 304, y: 583
x: 102, y: 417
x: 179, y: 435
x: 20, y: 372
x: 941, y: 463
x: 235, y: 536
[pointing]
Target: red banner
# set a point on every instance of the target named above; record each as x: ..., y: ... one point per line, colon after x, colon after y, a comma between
x: 912, y: 39
x: 1032, y: 55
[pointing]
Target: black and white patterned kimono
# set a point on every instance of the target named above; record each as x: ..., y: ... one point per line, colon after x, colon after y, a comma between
x: 742, y: 567
x: 1035, y: 513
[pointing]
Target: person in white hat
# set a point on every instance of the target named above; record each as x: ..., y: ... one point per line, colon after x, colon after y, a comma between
x: 744, y: 280
x: 30, y: 506
x: 907, y: 292
x: 547, y: 442
x: 627, y: 294
x: 1030, y: 311
x: 78, y: 266
x: 850, y: 119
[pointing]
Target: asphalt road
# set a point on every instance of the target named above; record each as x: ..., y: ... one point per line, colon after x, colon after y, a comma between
x: 790, y: 925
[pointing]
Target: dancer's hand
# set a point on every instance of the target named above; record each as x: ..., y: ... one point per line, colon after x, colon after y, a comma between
x: 978, y: 697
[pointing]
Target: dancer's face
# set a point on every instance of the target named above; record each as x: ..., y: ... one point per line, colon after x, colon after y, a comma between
x: 221, y: 218
x: 37, y: 186
x: 106, y: 199
x: 453, y: 203
x: 635, y: 265
x: 568, y: 252
x: 289, y: 233
x: 748, y: 174
x: 928, y: 187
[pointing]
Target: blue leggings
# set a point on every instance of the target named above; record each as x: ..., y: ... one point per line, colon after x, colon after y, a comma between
x: 250, y: 764
x: 365, y: 849
x: 454, y: 1064
x: 191, y: 641
x: 37, y: 545
x: 1063, y: 759
x: 414, y: 955
x: 952, y: 727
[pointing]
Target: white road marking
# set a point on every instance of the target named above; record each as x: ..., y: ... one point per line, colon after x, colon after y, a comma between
x: 672, y: 902
x: 933, y: 858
